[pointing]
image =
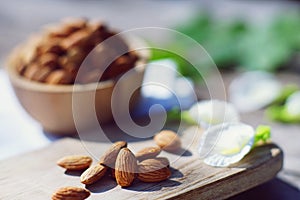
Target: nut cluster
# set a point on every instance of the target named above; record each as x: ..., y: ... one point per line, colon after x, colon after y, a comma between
x: 55, y: 55
x: 123, y: 165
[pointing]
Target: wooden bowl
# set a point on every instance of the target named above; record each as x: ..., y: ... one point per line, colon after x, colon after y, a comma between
x: 53, y: 105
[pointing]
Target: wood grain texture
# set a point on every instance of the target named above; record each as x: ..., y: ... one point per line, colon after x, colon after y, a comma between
x: 36, y: 174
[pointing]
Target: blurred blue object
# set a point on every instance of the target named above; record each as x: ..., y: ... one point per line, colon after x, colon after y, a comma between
x: 162, y: 86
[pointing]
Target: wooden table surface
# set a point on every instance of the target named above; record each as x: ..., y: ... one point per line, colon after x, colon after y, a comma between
x: 39, y: 175
x: 20, y: 18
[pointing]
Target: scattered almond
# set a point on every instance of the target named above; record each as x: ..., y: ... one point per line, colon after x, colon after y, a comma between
x: 71, y: 193
x: 110, y: 156
x: 125, y: 168
x: 113, y: 173
x: 168, y: 140
x: 75, y: 162
x: 152, y: 171
x: 164, y: 161
x: 156, y: 163
x: 93, y: 174
x: 148, y: 152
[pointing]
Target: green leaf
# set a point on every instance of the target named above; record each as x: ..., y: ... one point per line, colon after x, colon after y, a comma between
x: 220, y: 39
x: 262, y: 50
x: 287, y: 91
x: 175, y: 114
x: 262, y: 134
x: 281, y: 114
x: 186, y: 117
x: 287, y: 27
x: 235, y: 43
x: 183, y: 66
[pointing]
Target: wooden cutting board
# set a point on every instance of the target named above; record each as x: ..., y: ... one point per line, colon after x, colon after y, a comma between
x: 35, y: 175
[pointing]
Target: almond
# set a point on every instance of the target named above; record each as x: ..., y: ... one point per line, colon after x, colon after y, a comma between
x: 150, y: 172
x: 168, y: 140
x: 93, y: 174
x: 31, y: 71
x: 156, y: 163
x: 42, y: 74
x: 64, y: 46
x: 76, y: 23
x: 58, y: 31
x: 148, y: 152
x: 59, y: 77
x: 125, y: 168
x: 49, y: 60
x: 113, y: 175
x: 21, y: 68
x: 51, y: 47
x: 77, y: 39
x: 97, y: 26
x: 76, y: 55
x: 75, y: 162
x: 164, y: 161
x: 109, y: 157
x: 71, y: 193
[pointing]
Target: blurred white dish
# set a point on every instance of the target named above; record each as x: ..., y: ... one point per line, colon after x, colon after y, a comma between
x: 254, y: 90
x: 293, y: 104
x: 212, y: 112
x: 225, y: 144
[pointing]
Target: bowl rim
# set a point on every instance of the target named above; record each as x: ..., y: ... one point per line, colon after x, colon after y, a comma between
x: 18, y: 80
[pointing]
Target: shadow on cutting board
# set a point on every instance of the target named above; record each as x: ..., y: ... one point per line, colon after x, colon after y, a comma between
x: 105, y: 184
x: 108, y: 183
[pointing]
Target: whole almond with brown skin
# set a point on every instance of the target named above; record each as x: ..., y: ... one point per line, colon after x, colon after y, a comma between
x: 109, y: 157
x: 156, y: 163
x: 125, y: 168
x: 59, y: 77
x: 75, y: 162
x: 93, y: 174
x: 53, y: 31
x: 42, y: 74
x: 151, y: 173
x: 71, y: 193
x: 76, y: 55
x: 164, y: 161
x: 77, y: 23
x: 113, y: 175
x: 51, y: 47
x: 49, y: 60
x: 168, y: 140
x: 31, y: 71
x: 148, y: 152
x: 76, y: 39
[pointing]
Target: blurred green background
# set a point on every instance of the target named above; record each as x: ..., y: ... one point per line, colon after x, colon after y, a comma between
x: 237, y: 43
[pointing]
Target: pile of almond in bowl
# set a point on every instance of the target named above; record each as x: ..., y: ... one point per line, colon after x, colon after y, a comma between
x: 55, y: 54
x: 123, y: 165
